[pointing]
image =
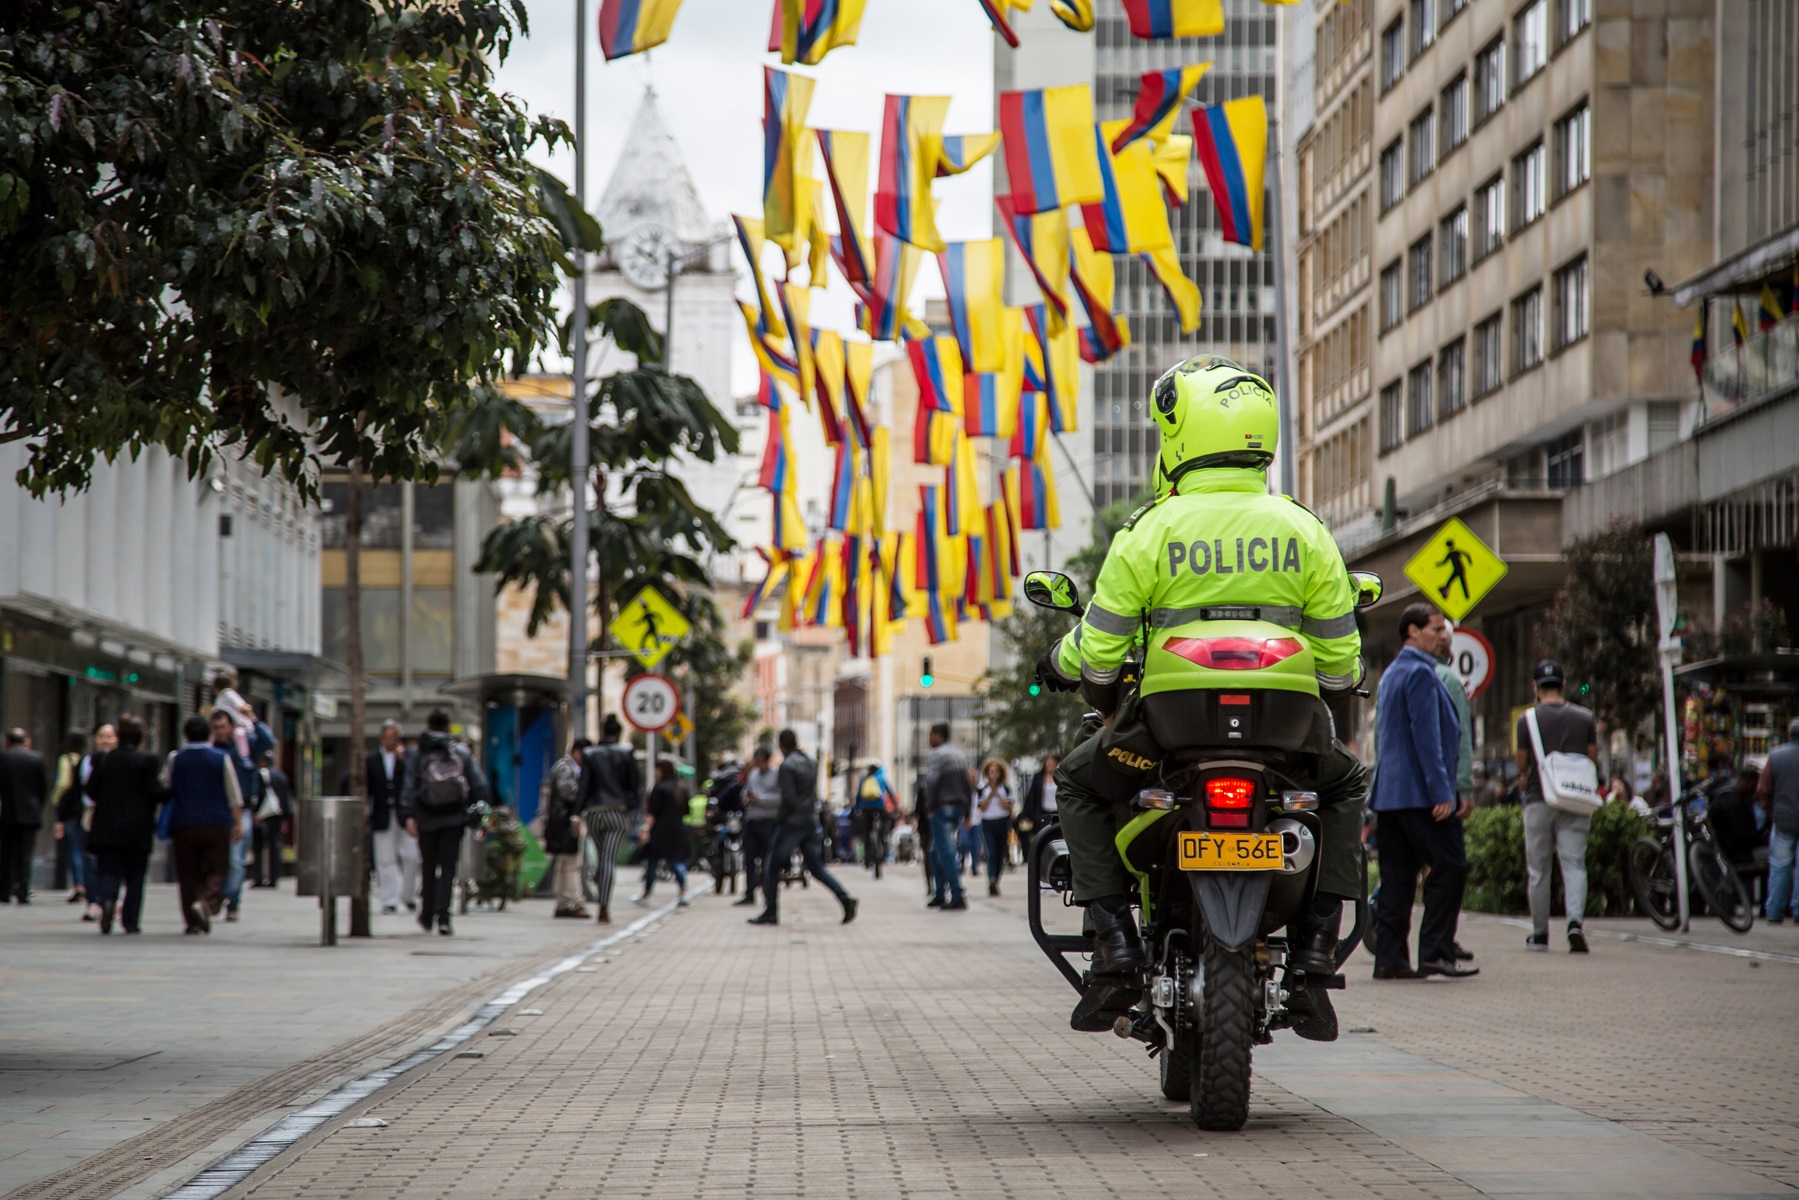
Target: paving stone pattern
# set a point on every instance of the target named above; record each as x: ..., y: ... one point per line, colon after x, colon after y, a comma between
x: 919, y: 1054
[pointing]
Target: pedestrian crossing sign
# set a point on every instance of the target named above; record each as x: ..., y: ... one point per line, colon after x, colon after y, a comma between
x: 649, y: 626
x: 1455, y: 569
x: 681, y: 729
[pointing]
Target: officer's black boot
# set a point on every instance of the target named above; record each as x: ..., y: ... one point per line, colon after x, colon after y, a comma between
x: 1118, y: 963
x: 1314, y: 945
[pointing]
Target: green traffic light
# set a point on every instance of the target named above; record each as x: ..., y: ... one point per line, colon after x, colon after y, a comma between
x: 1036, y: 689
x: 926, y: 680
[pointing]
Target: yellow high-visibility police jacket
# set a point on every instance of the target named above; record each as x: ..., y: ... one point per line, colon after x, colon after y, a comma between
x: 1220, y: 539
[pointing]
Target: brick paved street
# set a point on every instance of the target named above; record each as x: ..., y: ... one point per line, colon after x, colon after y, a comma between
x: 919, y: 1054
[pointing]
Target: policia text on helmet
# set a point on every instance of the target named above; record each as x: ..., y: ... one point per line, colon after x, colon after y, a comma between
x: 1220, y: 427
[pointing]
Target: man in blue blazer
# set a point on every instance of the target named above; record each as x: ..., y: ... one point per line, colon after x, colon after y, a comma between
x: 1414, y: 798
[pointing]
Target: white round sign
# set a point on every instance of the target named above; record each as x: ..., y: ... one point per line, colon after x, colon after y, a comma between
x: 1472, y: 657
x: 651, y: 703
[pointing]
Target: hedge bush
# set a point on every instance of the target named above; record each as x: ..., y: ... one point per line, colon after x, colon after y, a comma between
x: 1496, y: 874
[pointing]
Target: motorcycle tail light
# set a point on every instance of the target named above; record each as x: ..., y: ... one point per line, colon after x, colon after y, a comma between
x: 1234, y: 653
x: 1225, y: 791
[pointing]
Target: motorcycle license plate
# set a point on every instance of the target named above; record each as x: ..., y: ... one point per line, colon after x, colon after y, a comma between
x: 1230, y: 851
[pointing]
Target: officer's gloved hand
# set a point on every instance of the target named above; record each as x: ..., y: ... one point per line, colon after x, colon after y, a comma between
x: 1050, y: 679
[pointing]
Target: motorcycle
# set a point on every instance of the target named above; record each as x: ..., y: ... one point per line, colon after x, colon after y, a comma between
x: 724, y: 850
x: 1224, y: 848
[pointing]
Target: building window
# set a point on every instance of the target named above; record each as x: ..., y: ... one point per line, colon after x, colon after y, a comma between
x: 1663, y: 420
x: 1609, y: 439
x: 1418, y: 414
x: 1454, y: 120
x: 1489, y: 368
x: 1571, y: 303
x: 1528, y: 197
x: 1527, y: 330
x: 1530, y: 41
x: 1424, y: 25
x: 1391, y: 310
x: 1564, y: 460
x: 1448, y: 9
x: 1571, y: 16
x: 1489, y: 80
x: 1392, y: 53
x: 1489, y: 217
x: 1392, y: 177
x: 1418, y: 275
x: 1452, y: 258
x: 1422, y: 139
x: 1573, y: 150
x: 1392, y: 417
x: 1452, y: 380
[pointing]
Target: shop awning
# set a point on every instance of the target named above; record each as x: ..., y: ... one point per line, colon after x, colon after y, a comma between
x: 514, y: 690
x: 1773, y: 672
x: 1742, y: 271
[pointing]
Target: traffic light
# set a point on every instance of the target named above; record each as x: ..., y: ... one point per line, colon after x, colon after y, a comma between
x: 1036, y: 689
x: 925, y: 678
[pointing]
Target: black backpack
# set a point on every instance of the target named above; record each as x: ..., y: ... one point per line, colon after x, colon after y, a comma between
x: 443, y: 783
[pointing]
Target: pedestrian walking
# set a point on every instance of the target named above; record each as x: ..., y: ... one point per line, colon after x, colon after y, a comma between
x: 441, y: 784
x: 1414, y: 800
x: 947, y: 791
x: 798, y: 778
x: 1778, y: 788
x: 1464, y: 757
x: 22, y: 790
x: 227, y: 737
x: 761, y: 822
x: 205, y: 817
x: 1732, y: 813
x: 272, y: 815
x: 664, y: 837
x: 124, y: 788
x: 396, y: 849
x: 1039, y: 801
x: 563, y: 833
x: 71, y: 867
x: 611, y: 789
x: 993, y: 807
x: 1552, y: 833
x: 875, y: 804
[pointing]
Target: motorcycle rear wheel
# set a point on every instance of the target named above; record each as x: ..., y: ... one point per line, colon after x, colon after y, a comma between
x: 1219, y: 1097
x: 1175, y: 1066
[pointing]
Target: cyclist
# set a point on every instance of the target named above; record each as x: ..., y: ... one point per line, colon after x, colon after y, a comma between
x: 873, y: 810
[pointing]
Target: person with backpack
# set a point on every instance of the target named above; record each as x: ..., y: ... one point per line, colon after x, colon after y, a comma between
x: 563, y: 835
x: 1555, y: 829
x: 876, y: 802
x: 442, y: 784
x: 611, y: 787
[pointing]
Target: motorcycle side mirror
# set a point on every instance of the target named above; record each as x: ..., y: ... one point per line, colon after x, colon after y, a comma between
x: 1368, y: 588
x: 1052, y: 589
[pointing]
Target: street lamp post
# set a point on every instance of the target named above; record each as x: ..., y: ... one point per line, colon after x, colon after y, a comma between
x: 671, y: 268
x: 578, y: 448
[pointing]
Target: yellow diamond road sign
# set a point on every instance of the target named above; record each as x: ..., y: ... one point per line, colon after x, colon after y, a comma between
x: 649, y: 626
x: 683, y: 725
x: 1454, y: 569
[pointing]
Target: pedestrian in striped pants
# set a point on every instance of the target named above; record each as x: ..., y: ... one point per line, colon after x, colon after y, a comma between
x: 611, y: 786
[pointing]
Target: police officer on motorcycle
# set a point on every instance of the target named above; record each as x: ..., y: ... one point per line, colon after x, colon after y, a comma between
x: 1185, y: 551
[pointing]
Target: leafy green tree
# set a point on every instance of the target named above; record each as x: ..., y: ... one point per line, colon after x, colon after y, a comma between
x: 1022, y: 725
x: 1602, y: 626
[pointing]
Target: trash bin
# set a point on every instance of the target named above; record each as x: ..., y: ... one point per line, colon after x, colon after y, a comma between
x: 330, y: 853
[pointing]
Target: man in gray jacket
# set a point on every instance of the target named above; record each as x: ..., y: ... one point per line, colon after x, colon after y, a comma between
x: 948, y: 791
x: 1779, y: 789
x: 798, y: 816
x: 761, y: 819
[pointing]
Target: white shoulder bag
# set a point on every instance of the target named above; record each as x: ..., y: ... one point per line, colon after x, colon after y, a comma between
x: 1570, y: 781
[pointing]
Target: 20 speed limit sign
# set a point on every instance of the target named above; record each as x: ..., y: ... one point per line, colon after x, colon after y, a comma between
x: 651, y: 703
x: 1472, y: 657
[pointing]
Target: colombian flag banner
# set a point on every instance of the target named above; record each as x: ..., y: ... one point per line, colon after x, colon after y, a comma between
x: 1130, y: 218
x: 843, y: 488
x: 1171, y: 156
x: 858, y: 374
x: 1042, y: 241
x: 1232, y: 142
x: 804, y: 31
x: 880, y: 478
x: 796, y: 304
x: 771, y: 352
x: 1163, y: 19
x: 751, y: 239
x: 1165, y: 264
x: 1057, y: 357
x: 633, y: 26
x: 937, y: 366
x: 1698, y: 354
x: 998, y: 13
x: 1094, y: 282
x: 911, y: 134
x: 775, y: 567
x: 1038, y: 507
x: 882, y: 313
x: 1048, y: 135
x: 827, y: 373
x: 785, y: 99
x: 1159, y: 96
x: 960, y: 151
x: 990, y: 398
x: 846, y: 167
x: 973, y: 273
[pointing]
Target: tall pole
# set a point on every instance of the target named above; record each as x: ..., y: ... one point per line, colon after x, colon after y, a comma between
x: 668, y: 310
x: 1277, y: 244
x: 1666, y: 597
x: 578, y: 450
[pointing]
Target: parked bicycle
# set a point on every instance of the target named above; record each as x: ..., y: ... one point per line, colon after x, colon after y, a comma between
x: 1655, y: 884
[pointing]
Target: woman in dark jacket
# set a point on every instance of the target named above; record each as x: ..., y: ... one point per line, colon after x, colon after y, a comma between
x: 664, y: 838
x: 126, y: 788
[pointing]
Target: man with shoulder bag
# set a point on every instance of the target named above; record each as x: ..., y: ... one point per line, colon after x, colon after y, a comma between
x: 442, y: 783
x: 1558, y: 753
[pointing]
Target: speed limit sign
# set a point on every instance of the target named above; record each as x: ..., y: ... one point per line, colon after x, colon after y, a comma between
x: 651, y: 703
x: 1472, y: 657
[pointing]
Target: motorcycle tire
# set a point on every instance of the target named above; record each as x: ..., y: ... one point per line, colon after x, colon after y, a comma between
x: 1723, y: 889
x: 1219, y: 1099
x: 1175, y: 1066
x: 1653, y: 883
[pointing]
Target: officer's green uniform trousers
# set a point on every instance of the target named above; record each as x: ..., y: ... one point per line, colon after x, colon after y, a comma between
x: 1090, y: 823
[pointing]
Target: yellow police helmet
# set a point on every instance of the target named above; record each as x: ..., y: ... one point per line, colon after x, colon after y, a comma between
x: 1212, y: 412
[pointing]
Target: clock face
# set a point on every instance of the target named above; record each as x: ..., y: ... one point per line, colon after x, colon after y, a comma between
x: 644, y: 256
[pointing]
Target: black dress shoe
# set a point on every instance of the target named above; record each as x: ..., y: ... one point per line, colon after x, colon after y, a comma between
x: 1449, y: 970
x: 1314, y: 1016
x: 934, y: 902
x: 1117, y: 948
x: 1402, y: 972
x: 764, y: 919
x: 1313, y: 942
x: 1463, y: 955
x: 746, y: 902
x: 849, y: 909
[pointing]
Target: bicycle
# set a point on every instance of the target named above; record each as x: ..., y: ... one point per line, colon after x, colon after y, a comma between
x: 1655, y: 884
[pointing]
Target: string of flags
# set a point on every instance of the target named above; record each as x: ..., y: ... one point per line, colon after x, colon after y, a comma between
x: 1001, y: 381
